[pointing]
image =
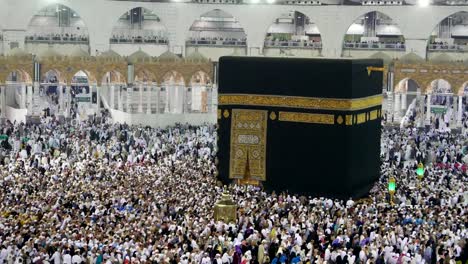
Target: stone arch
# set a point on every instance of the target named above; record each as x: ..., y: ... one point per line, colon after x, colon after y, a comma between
x: 397, y: 26
x: 440, y: 95
x: 175, y: 75
x: 91, y: 77
x: 439, y: 21
x: 15, y: 85
x: 205, y: 78
x: 408, y: 88
x: 165, y: 33
x: 24, y: 76
x: 199, y: 92
x: 80, y: 28
x: 402, y: 85
x: 113, y: 77
x: 173, y: 85
x: 195, y: 30
x: 144, y: 75
x: 463, y: 90
x: 278, y: 32
x: 432, y: 84
x: 58, y: 74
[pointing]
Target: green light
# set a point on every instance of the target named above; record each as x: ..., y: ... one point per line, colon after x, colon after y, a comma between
x: 420, y: 171
x: 391, y: 186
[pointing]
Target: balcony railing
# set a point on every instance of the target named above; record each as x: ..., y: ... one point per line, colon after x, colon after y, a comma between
x: 444, y: 47
x: 57, y: 40
x: 139, y: 41
x: 375, y: 46
x: 217, y: 43
x: 293, y: 44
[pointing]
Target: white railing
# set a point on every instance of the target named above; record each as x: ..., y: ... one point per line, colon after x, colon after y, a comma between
x: 57, y: 39
x: 219, y: 43
x: 293, y: 44
x: 446, y: 47
x: 130, y: 102
x: 140, y: 40
x: 157, y: 119
x: 375, y: 46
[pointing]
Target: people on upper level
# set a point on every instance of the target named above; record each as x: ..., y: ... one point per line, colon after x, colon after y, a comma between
x: 443, y: 45
x: 56, y: 37
x: 138, y: 39
x: 387, y: 44
x: 218, y: 41
x: 279, y: 42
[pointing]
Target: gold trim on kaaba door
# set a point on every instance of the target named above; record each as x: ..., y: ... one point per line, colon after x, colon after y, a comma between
x: 248, y: 144
x: 338, y: 104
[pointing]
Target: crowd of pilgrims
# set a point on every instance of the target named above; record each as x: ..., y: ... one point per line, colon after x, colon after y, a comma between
x: 108, y: 193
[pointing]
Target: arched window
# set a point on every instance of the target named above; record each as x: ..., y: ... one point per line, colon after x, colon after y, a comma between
x: 59, y: 26
x: 376, y: 31
x: 139, y: 29
x: 217, y: 28
x: 450, y: 35
x: 292, y: 30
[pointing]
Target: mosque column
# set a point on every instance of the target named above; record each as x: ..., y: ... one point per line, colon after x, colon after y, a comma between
x: 460, y: 110
x: 166, y: 106
x: 98, y: 101
x: 23, y: 96
x: 397, y: 106
x: 140, y: 103
x: 90, y: 95
x: 64, y: 98
x: 36, y: 94
x: 420, y: 105
x: 428, y: 108
x: 183, y: 99
x: 111, y: 96
x: 67, y: 101
x: 453, y: 116
x: 119, y: 99
x: 175, y: 103
x: 3, y: 114
x: 127, y: 101
x: 60, y: 99
x: 158, y: 98
x: 29, y: 99
x: 403, y: 101
x: 148, y: 99
x: 214, y: 98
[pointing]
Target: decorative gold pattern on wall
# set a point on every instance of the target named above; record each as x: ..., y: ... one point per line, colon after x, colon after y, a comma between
x: 248, y: 144
x: 97, y: 67
x: 424, y: 73
x: 300, y: 102
x: 327, y: 119
x: 10, y: 64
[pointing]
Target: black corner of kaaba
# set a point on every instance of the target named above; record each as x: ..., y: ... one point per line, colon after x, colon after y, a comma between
x: 307, y: 126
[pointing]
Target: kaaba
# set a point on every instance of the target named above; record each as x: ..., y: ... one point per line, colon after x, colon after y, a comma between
x: 303, y: 126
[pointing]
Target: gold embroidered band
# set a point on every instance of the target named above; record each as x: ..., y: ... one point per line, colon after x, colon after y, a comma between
x: 300, y: 102
x: 307, y: 118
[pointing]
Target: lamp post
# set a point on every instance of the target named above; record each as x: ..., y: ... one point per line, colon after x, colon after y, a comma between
x: 420, y: 173
x: 391, y: 189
